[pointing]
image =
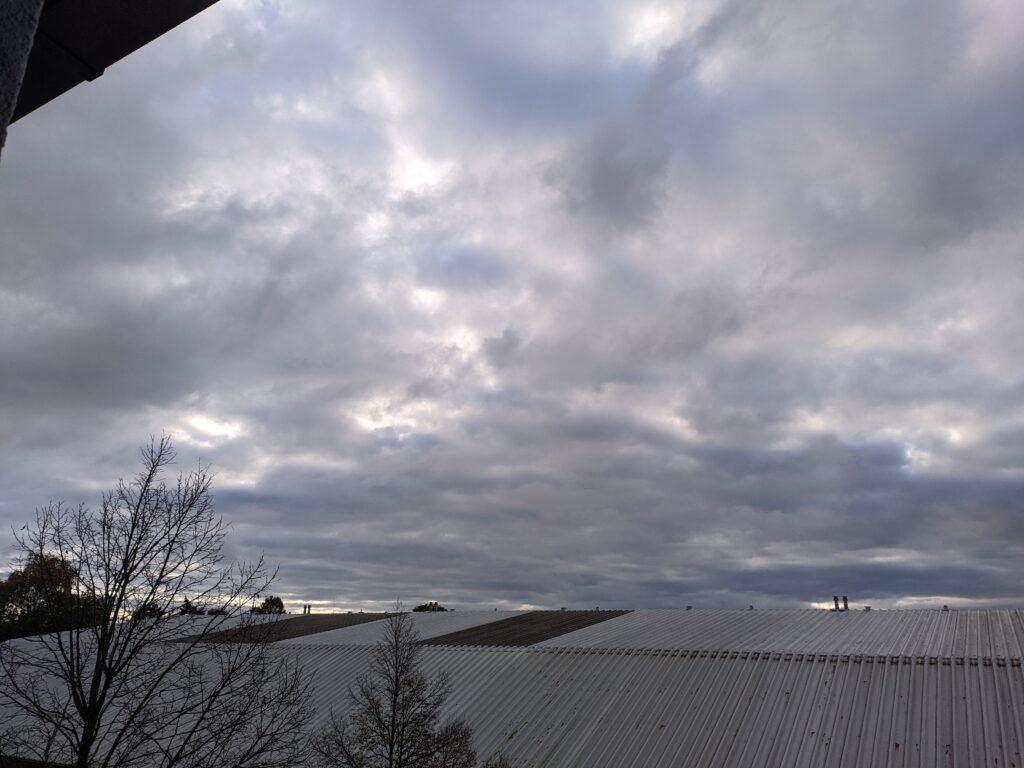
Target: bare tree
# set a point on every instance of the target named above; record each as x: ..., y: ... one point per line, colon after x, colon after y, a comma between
x: 394, y: 713
x: 126, y: 688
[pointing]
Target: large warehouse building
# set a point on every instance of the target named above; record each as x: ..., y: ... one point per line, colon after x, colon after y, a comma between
x: 706, y: 687
x: 717, y: 688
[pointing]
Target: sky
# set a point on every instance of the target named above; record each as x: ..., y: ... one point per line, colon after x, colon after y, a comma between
x: 533, y: 304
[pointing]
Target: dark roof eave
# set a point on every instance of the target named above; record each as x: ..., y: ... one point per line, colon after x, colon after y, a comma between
x: 78, y: 39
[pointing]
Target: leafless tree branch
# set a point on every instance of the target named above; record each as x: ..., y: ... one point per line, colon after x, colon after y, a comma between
x: 127, y: 688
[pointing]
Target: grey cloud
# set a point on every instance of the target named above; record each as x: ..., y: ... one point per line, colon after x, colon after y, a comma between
x: 501, y: 350
x: 462, y: 268
x: 617, y: 174
x: 880, y: 582
x: 732, y: 324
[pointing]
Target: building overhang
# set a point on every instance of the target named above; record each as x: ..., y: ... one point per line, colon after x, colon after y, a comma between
x: 76, y: 40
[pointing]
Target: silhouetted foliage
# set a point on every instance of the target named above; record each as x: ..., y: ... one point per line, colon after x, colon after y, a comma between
x: 147, y: 611
x: 429, y: 608
x: 40, y: 597
x: 271, y: 605
x: 188, y: 608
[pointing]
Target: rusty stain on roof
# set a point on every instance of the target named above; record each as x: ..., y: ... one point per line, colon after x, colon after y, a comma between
x: 527, y: 629
x: 290, y: 627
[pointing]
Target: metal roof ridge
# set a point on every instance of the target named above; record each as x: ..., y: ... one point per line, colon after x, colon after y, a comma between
x: 774, y: 654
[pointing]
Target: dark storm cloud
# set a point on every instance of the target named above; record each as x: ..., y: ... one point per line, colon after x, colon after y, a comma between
x: 606, y: 304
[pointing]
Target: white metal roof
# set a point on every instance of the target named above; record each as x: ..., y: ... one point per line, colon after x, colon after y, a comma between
x: 429, y: 625
x: 592, y: 708
x: 956, y: 633
x: 904, y: 688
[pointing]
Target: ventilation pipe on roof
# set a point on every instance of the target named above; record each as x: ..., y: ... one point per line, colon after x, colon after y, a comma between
x: 689, y: 607
x: 835, y: 599
x: 945, y: 607
x: 846, y: 605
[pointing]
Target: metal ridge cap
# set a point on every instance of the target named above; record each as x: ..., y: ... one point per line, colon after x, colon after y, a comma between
x: 753, y: 654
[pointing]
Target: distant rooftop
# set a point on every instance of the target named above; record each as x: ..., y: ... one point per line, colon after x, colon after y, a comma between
x: 979, y: 634
x: 955, y: 634
x: 526, y: 629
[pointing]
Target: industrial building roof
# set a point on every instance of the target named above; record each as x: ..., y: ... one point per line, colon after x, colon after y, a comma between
x: 276, y: 628
x: 732, y: 688
x: 429, y: 625
x: 661, y: 689
x: 526, y: 629
x: 497, y: 628
x: 945, y: 634
x: 592, y: 708
x: 957, y: 633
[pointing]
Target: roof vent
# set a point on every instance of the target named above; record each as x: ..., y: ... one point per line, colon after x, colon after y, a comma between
x: 689, y: 607
x: 867, y: 607
x: 846, y: 605
x: 945, y: 607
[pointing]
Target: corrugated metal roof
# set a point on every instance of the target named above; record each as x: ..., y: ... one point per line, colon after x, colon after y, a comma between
x: 547, y: 706
x: 428, y: 625
x: 592, y: 708
x: 957, y: 633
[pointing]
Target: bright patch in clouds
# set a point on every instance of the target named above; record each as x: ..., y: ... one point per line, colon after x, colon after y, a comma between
x: 204, y: 431
x: 413, y: 171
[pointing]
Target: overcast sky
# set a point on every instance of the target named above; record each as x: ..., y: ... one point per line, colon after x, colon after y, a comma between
x: 543, y: 304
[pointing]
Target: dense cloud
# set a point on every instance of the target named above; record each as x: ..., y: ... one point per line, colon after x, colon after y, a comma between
x: 628, y: 305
